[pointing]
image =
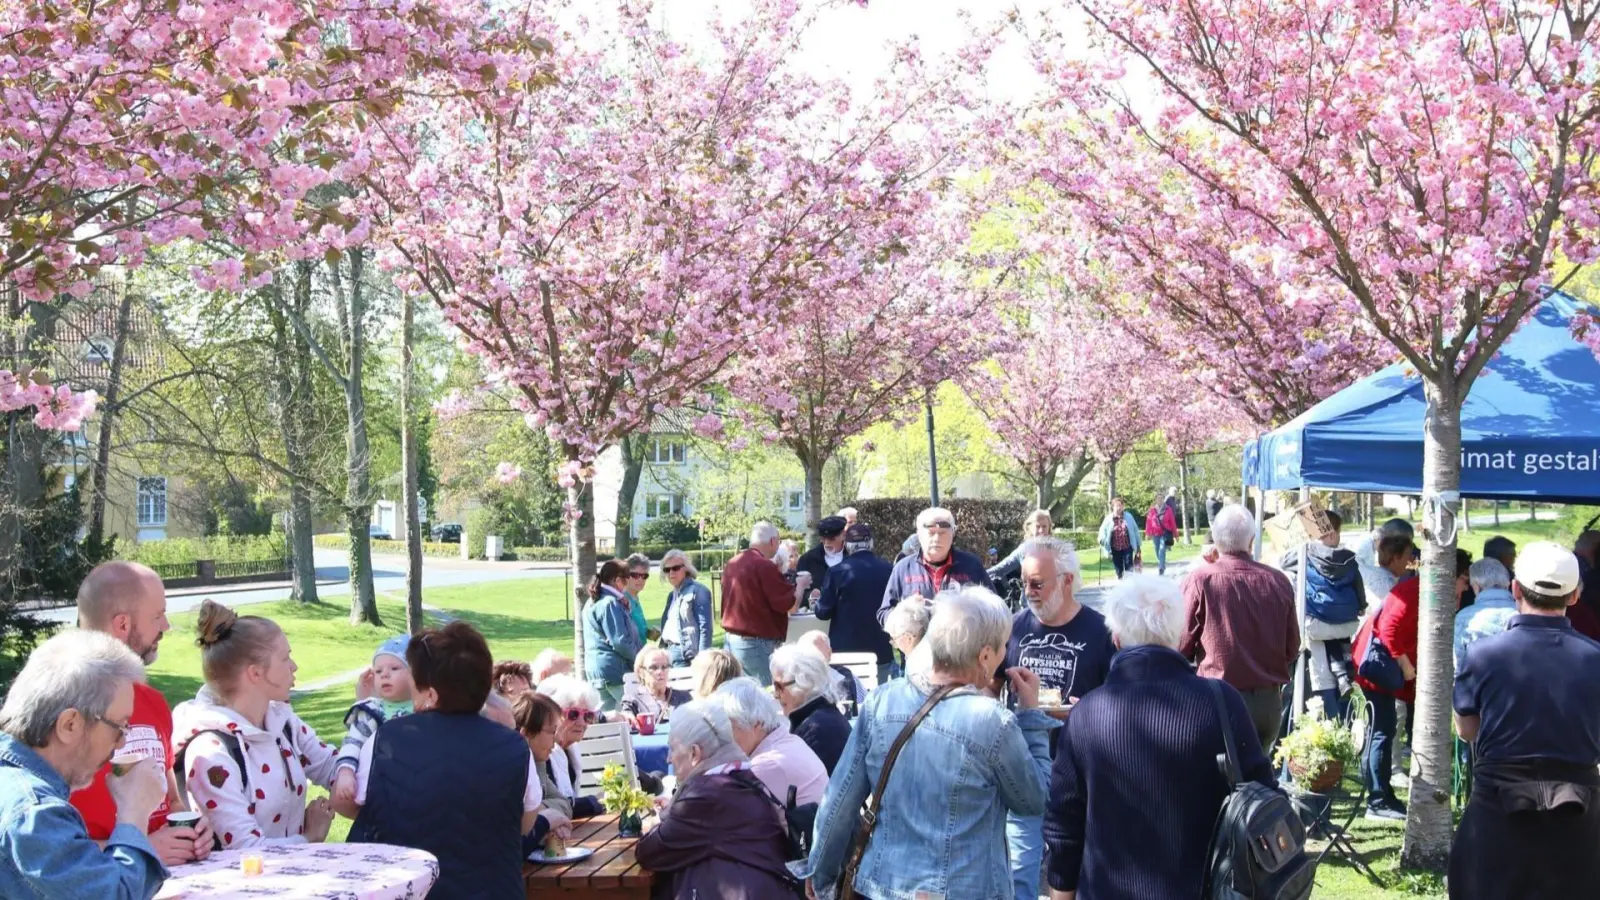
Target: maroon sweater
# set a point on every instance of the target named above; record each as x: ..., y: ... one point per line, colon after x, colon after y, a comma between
x: 1241, y: 622
x: 755, y: 598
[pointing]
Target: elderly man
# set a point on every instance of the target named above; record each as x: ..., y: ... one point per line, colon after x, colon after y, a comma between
x: 841, y: 683
x: 127, y: 601
x: 851, y: 594
x: 938, y: 567
x: 66, y: 714
x: 1529, y: 701
x: 1491, y: 612
x: 780, y: 759
x: 826, y: 554
x: 1069, y: 647
x: 756, y: 602
x: 1241, y: 622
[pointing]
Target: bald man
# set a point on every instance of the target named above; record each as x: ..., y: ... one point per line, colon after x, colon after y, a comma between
x: 127, y: 601
x: 845, y: 684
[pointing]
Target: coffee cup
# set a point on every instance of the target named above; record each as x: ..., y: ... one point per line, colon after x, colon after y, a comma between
x: 647, y: 723
x: 123, y: 762
x: 183, y: 819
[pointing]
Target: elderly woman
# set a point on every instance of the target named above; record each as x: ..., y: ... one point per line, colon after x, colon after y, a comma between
x: 712, y: 669
x: 611, y: 639
x: 780, y: 759
x: 1036, y: 525
x: 512, y: 677
x: 722, y: 835
x: 447, y: 779
x: 651, y: 693
x: 803, y: 683
x: 537, y: 718
x: 239, y: 750
x: 1119, y: 537
x: 579, y: 704
x: 1138, y: 760
x: 1492, y: 609
x: 638, y: 576
x: 942, y: 821
x: 907, y: 623
x: 686, y: 622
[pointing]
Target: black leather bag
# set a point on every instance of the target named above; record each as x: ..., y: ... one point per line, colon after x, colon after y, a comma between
x: 1258, y: 845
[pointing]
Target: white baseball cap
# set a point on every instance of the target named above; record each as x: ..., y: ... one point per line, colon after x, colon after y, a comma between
x: 1547, y: 568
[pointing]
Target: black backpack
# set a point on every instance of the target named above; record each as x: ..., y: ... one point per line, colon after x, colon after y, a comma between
x: 1258, y: 845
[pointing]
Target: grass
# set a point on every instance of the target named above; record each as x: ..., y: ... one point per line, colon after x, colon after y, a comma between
x: 1377, y: 846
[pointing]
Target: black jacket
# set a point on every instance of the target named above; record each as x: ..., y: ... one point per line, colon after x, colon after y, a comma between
x: 814, y: 561
x: 824, y: 729
x: 850, y: 596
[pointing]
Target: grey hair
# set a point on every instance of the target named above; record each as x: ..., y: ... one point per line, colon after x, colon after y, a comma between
x: 909, y: 616
x: 787, y: 550
x: 762, y: 532
x: 546, y: 659
x: 805, y: 667
x: 638, y: 559
x: 858, y: 547
x: 688, y: 566
x: 962, y: 625
x: 1145, y: 609
x: 703, y: 724
x: 1488, y: 573
x: 495, y: 703
x: 1064, y: 554
x: 1234, y: 529
x: 77, y: 669
x: 748, y: 705
x: 569, y: 690
x: 848, y: 512
x: 933, y: 511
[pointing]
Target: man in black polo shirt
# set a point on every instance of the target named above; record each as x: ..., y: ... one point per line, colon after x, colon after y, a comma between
x: 1529, y: 700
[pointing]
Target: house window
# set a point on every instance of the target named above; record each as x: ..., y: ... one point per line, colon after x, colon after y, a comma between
x: 797, y: 500
x: 98, y: 349
x: 152, y: 501
x: 665, y: 451
x: 658, y: 505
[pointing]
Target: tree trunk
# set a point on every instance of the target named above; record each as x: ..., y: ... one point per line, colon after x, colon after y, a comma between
x: 1372, y: 510
x: 1183, y: 499
x: 1111, y: 481
x: 580, y: 536
x: 1044, y: 487
x: 1066, y: 493
x: 358, y: 451
x: 813, y: 463
x: 1497, y: 514
x: 1428, y: 819
x: 408, y: 457
x: 27, y: 452
x: 108, y: 417
x: 1466, y: 517
x: 292, y: 385
x: 633, y: 449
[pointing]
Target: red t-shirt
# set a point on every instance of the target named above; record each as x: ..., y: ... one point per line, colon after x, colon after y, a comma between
x: 149, y: 734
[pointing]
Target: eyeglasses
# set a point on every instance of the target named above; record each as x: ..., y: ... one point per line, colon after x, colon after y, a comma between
x: 643, y: 575
x: 782, y: 685
x: 588, y: 716
x: 121, y: 727
x: 658, y: 668
x: 1035, y: 586
x: 939, y: 526
x: 670, y: 569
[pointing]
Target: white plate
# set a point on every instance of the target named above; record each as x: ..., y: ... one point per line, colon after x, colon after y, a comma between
x: 573, y: 855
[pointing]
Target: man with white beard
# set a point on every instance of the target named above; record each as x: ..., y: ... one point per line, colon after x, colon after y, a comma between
x: 1069, y: 647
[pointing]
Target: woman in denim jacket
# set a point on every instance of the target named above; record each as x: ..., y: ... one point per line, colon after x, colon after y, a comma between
x: 686, y: 622
x: 941, y: 827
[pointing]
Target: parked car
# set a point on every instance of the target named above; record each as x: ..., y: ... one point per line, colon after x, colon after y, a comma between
x: 379, y: 533
x: 447, y: 533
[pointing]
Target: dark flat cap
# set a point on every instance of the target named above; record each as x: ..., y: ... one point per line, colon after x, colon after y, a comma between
x: 831, y: 527
x: 858, y: 533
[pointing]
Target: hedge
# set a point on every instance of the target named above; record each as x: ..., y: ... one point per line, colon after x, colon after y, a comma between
x: 980, y: 524
x: 705, y: 560
x: 187, y: 551
x: 394, y: 548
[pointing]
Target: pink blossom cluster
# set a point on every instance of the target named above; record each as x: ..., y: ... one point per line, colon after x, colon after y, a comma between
x: 56, y: 408
x: 507, y: 472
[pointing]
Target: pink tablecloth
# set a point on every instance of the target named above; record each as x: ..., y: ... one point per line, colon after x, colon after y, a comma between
x: 309, y: 872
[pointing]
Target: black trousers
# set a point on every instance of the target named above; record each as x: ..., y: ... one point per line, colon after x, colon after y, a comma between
x: 1530, y: 832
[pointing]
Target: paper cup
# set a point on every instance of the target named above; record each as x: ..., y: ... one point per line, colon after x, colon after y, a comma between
x: 183, y: 819
x: 122, y: 763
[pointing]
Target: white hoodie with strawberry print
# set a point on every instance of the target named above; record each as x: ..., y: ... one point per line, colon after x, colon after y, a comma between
x: 268, y: 805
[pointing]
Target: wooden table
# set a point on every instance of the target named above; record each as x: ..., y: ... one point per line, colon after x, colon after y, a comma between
x: 610, y: 874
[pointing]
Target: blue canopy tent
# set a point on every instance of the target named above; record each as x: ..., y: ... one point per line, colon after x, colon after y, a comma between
x: 1530, y: 428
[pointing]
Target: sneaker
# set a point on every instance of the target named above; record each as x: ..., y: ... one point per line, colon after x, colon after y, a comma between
x: 1383, y: 812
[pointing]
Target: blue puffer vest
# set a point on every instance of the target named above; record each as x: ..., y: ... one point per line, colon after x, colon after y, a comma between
x: 451, y: 784
x: 1333, y: 600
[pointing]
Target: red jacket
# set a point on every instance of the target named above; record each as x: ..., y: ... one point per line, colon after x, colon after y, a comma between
x: 755, y: 598
x: 1160, y: 520
x: 1396, y: 624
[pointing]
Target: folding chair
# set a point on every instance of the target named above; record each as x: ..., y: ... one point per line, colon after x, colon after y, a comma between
x: 864, y: 666
x: 681, y: 678
x: 602, y: 745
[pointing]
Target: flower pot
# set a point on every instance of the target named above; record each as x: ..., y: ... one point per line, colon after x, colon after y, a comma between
x: 1319, y: 781
x: 630, y: 825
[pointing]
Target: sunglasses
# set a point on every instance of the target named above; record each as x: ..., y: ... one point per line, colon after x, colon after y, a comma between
x: 670, y: 569
x: 643, y: 575
x: 782, y: 685
x: 939, y: 526
x: 588, y: 716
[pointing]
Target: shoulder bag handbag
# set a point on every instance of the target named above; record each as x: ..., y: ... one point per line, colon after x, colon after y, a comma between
x: 869, y: 814
x: 1377, y: 664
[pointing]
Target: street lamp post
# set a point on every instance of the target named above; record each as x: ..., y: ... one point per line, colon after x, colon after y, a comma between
x: 933, y: 453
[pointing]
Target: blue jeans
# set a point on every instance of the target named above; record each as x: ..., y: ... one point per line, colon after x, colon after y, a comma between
x: 754, y: 655
x: 1025, y: 842
x: 1161, y: 554
x: 1378, y: 767
x: 675, y: 652
x: 609, y: 693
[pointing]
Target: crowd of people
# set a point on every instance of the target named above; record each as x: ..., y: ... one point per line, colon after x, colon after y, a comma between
x: 1058, y: 742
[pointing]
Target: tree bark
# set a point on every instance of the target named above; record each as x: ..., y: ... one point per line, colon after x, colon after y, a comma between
x: 1428, y: 819
x: 1111, y: 481
x: 408, y: 456
x: 1044, y: 487
x: 358, y: 452
x: 1066, y: 493
x: 27, y: 453
x: 108, y: 418
x: 292, y: 385
x: 633, y: 450
x: 813, y: 463
x: 580, y: 535
x: 1183, y: 499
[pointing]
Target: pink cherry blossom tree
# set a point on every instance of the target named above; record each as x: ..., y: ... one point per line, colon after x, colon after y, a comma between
x: 1427, y: 158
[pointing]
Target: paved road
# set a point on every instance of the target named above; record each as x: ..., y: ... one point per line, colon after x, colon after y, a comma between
x: 333, y: 580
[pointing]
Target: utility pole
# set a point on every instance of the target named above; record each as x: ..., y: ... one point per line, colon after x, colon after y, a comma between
x: 933, y: 453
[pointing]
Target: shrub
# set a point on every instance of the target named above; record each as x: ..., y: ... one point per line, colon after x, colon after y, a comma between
x: 177, y: 551
x: 392, y: 548
x: 480, y: 524
x: 980, y: 524
x: 669, y: 531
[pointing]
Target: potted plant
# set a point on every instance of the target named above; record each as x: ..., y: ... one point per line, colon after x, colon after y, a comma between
x: 1316, y: 752
x: 626, y: 799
